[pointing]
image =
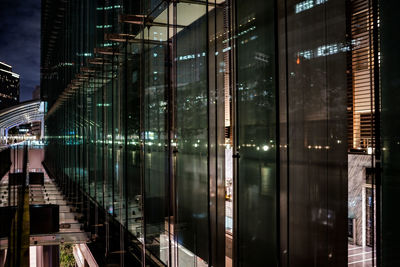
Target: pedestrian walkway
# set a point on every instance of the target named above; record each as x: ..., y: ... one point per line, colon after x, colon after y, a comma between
x: 71, y: 230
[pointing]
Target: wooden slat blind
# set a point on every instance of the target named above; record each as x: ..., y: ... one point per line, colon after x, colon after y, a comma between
x: 361, y: 87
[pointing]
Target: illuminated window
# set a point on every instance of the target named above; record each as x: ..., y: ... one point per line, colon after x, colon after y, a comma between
x: 303, y: 6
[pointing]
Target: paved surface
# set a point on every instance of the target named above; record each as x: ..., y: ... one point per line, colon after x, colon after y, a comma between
x: 360, y: 256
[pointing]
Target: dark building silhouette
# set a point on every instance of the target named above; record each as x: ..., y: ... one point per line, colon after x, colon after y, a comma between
x: 36, y: 93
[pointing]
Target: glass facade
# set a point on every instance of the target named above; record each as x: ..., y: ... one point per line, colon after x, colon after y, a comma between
x: 317, y: 118
x: 131, y: 95
x: 217, y: 133
x: 256, y: 134
x: 389, y: 178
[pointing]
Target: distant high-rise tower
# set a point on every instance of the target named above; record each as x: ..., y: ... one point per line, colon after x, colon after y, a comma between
x: 9, y: 86
x: 36, y: 93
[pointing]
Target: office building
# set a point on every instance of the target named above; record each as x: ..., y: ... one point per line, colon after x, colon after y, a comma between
x: 9, y: 86
x: 225, y: 133
x: 36, y: 93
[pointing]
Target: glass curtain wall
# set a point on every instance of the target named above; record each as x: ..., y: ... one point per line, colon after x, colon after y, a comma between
x: 157, y: 108
x: 192, y: 133
x: 256, y: 134
x: 132, y: 112
x: 389, y: 179
x: 313, y: 131
x: 293, y: 70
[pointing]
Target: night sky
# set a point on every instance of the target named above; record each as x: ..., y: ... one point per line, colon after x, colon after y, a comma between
x: 20, y: 41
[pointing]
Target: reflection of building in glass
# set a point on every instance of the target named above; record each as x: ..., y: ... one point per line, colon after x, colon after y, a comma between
x: 9, y: 86
x: 199, y: 133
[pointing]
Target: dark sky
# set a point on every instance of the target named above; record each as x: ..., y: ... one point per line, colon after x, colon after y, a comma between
x: 20, y: 41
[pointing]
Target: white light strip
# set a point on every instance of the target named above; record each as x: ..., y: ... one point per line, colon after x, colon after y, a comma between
x: 355, y: 248
x: 5, y: 64
x: 12, y: 73
x: 358, y: 254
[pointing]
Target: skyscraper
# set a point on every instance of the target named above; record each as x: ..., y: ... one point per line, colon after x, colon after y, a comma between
x: 9, y: 86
